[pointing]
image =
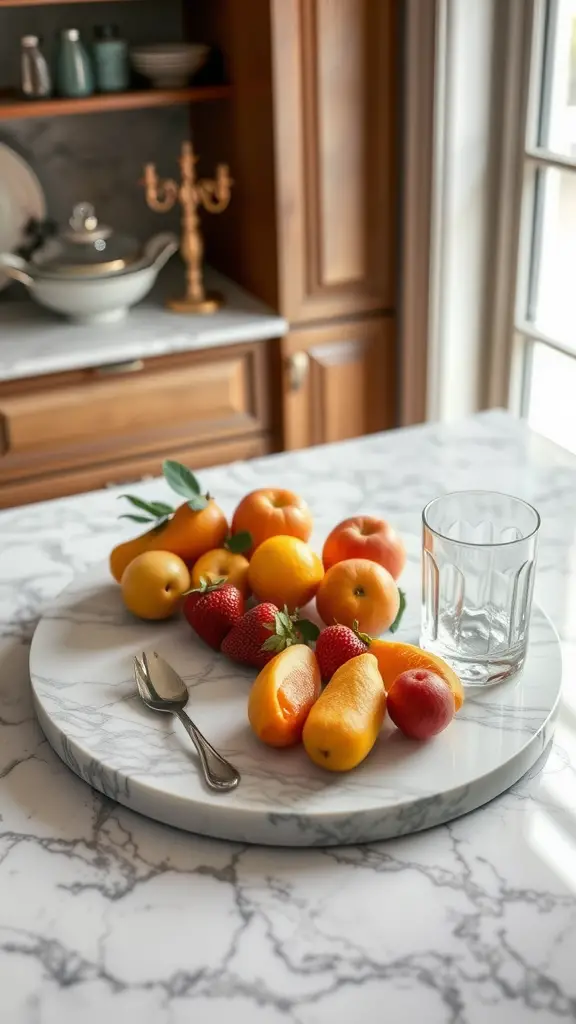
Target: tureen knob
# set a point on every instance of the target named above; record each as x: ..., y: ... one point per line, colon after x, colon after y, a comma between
x: 83, y: 217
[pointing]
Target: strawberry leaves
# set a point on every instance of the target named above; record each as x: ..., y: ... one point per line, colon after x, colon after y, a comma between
x: 287, y: 630
x: 182, y: 480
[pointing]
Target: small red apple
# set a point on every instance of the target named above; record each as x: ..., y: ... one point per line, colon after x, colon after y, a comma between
x: 420, y: 703
x: 365, y: 537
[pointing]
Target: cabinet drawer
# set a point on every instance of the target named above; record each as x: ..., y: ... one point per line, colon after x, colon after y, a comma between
x: 200, y: 399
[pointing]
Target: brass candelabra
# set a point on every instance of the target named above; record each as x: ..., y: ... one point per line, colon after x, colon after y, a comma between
x: 211, y: 193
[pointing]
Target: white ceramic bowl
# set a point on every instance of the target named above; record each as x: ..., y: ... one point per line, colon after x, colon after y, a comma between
x: 92, y: 300
x: 169, y: 65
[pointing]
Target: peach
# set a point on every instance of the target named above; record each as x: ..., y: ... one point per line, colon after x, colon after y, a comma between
x: 365, y: 537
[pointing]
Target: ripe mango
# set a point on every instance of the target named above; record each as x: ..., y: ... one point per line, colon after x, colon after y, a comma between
x: 344, y: 723
x: 188, y: 534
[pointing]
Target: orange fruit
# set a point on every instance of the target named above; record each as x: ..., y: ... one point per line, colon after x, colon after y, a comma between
x: 282, y: 695
x: 187, y: 534
x: 361, y: 591
x: 365, y: 537
x: 285, y: 571
x: 394, y: 658
x: 344, y: 723
x: 272, y: 512
x: 153, y: 584
x: 219, y: 563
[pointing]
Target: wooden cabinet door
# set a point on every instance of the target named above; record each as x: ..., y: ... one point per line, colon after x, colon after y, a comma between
x: 334, y: 66
x: 339, y: 381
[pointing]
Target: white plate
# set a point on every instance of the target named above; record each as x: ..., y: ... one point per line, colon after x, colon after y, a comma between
x: 81, y: 669
x: 21, y: 197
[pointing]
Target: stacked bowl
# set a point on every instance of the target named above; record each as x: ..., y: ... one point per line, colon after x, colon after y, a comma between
x: 169, y: 65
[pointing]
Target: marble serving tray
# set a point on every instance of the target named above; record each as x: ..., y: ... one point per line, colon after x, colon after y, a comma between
x: 85, y: 698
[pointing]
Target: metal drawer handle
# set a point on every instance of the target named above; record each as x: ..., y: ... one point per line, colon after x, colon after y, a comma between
x: 129, y: 366
x: 298, y: 364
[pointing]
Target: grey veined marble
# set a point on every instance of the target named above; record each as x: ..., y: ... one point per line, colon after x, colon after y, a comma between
x: 85, y: 697
x: 107, y: 915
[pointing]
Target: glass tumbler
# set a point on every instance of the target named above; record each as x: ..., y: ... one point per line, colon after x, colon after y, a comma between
x: 478, y: 568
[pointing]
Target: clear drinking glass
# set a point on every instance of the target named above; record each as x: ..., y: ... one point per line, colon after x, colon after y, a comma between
x: 478, y: 567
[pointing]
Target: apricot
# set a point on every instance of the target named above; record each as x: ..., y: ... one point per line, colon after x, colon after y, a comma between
x: 220, y: 563
x: 153, y: 584
x: 344, y: 723
x: 394, y: 658
x: 188, y: 534
x: 282, y: 695
x: 420, y: 703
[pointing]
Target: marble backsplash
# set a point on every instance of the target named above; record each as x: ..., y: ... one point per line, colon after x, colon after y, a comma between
x: 97, y: 157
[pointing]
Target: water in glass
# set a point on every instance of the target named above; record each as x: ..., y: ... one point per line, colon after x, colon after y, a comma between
x: 478, y: 566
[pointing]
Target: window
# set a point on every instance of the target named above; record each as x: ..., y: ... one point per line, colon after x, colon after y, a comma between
x: 546, y: 292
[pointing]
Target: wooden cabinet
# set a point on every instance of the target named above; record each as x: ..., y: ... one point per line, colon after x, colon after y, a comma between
x: 335, y: 123
x: 70, y: 432
x: 312, y: 139
x: 338, y: 381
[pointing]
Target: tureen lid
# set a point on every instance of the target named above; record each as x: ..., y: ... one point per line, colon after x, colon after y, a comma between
x: 86, y: 247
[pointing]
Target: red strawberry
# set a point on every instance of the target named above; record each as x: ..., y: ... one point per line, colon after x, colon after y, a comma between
x: 213, y: 609
x: 336, y: 645
x: 263, y: 632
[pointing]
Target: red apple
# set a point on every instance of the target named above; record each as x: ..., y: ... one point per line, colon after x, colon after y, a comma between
x: 365, y: 537
x: 420, y: 703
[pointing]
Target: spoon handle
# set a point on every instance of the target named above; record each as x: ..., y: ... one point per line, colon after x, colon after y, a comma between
x: 218, y: 772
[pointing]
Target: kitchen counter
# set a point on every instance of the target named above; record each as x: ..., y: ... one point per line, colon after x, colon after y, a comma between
x: 34, y: 342
x: 106, y: 916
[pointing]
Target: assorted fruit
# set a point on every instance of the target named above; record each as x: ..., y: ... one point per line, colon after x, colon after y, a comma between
x: 240, y: 590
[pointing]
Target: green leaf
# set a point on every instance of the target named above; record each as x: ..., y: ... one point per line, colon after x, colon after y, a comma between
x: 161, y: 509
x: 283, y: 624
x: 153, y: 508
x: 137, y: 519
x: 309, y: 631
x: 274, y: 643
x: 401, y: 611
x: 180, y: 479
x: 239, y: 542
x: 197, y: 503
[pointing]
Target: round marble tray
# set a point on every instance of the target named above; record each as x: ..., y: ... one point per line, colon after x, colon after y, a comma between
x: 81, y: 669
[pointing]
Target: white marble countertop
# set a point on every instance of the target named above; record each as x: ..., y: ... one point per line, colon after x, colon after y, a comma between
x: 106, y: 916
x: 34, y: 341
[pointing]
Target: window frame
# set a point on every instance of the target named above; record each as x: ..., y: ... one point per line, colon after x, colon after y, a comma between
x: 535, y: 159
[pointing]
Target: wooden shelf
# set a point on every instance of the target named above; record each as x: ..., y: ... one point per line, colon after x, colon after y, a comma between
x: 15, y: 107
x: 50, y: 3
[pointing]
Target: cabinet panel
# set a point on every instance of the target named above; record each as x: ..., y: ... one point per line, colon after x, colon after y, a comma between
x: 76, y: 481
x: 339, y: 381
x: 112, y: 407
x: 334, y: 68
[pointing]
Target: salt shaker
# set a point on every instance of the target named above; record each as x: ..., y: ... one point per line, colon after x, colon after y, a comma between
x: 36, y: 79
x: 74, y: 74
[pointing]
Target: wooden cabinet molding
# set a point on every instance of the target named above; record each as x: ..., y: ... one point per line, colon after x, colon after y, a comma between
x: 59, y: 484
x: 91, y: 417
x: 334, y: 85
x: 339, y: 381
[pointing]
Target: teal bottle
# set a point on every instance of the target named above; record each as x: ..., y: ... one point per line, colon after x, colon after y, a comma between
x: 74, y: 74
x: 110, y: 59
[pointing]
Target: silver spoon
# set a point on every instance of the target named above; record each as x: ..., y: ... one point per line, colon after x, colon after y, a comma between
x: 162, y: 689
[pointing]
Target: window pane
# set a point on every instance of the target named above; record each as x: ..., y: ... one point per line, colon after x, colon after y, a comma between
x: 558, y: 111
x: 553, y: 302
x: 551, y: 390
